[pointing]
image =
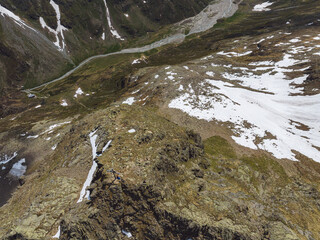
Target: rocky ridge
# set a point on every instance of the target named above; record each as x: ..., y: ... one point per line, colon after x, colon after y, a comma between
x: 172, y: 186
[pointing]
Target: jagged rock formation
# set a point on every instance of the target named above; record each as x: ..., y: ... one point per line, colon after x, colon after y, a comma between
x: 172, y: 186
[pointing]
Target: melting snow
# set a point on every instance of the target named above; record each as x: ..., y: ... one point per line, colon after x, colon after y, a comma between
x: 129, y: 101
x: 136, y: 61
x: 7, y: 158
x: 64, y: 103
x: 34, y: 137
x: 18, y: 169
x: 261, y: 63
x: 55, y: 126
x: 260, y: 41
x: 106, y: 146
x: 234, y: 54
x: 112, y: 29
x: 84, y: 192
x: 93, y: 137
x: 57, y: 234
x: 60, y: 28
x: 262, y: 7
x: 254, y: 115
x: 171, y: 75
x: 295, y: 40
x: 78, y: 92
x: 136, y: 91
x: 128, y: 234
x: 211, y: 74
x: 17, y: 19
x: 272, y: 81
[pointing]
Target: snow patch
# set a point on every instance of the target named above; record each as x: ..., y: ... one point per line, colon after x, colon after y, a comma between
x: 129, y: 101
x: 132, y: 131
x: 18, y: 169
x: 268, y: 63
x: 211, y: 74
x: 15, y: 18
x: 136, y: 61
x: 112, y: 29
x: 262, y: 7
x: 106, y: 146
x: 78, y: 92
x: 7, y: 158
x: 84, y: 192
x: 34, y: 137
x: 257, y: 106
x: 136, y: 91
x: 64, y: 103
x: 234, y: 54
x: 295, y: 40
x: 128, y: 234
x: 180, y: 88
x: 58, y: 32
x: 55, y: 126
x: 57, y: 235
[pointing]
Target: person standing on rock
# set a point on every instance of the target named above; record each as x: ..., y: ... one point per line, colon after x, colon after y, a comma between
x: 115, y: 174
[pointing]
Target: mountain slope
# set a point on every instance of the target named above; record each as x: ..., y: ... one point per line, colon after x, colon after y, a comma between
x: 214, y: 136
x: 79, y: 29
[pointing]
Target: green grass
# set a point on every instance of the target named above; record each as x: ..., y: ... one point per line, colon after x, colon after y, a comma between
x: 266, y: 166
x: 224, y: 22
x: 218, y: 146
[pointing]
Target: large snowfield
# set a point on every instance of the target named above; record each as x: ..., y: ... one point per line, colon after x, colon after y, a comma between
x: 263, y: 106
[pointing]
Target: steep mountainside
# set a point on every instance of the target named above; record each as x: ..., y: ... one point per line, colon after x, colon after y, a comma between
x: 78, y: 29
x: 207, y: 130
x: 40, y: 40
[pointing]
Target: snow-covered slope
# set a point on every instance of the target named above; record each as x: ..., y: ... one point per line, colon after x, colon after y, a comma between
x: 265, y: 103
